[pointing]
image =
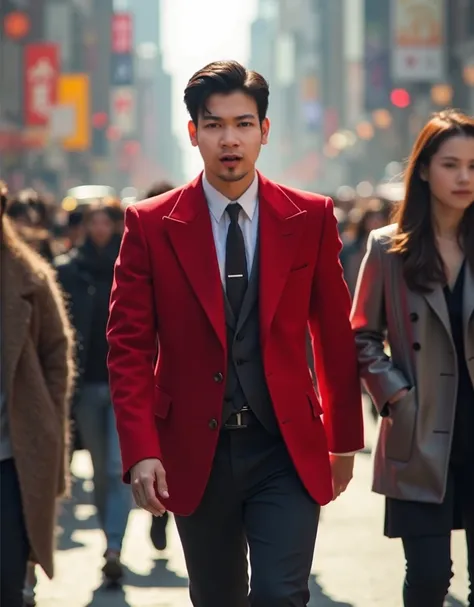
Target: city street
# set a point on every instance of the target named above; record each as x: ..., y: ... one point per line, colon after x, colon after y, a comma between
x: 354, y: 565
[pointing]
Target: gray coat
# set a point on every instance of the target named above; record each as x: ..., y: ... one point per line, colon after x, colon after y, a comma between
x: 414, y: 440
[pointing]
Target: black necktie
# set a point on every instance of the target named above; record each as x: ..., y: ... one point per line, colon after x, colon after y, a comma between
x: 236, y: 276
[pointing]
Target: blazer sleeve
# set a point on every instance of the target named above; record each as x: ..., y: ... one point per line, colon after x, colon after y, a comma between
x: 379, y: 376
x: 333, y: 344
x: 132, y: 335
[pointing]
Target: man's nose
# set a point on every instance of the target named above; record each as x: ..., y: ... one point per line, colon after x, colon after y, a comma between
x: 229, y: 137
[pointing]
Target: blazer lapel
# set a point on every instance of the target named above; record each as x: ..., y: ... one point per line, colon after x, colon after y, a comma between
x: 190, y: 232
x: 280, y: 226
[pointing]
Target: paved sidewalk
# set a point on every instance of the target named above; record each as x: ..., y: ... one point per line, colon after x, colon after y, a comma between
x: 354, y: 565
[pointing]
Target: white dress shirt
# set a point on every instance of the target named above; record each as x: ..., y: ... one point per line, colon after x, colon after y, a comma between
x: 248, y: 221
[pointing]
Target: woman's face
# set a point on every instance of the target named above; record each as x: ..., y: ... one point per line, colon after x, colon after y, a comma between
x: 450, y: 174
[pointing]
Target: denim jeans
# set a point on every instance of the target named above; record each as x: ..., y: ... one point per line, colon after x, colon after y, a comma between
x: 96, y: 424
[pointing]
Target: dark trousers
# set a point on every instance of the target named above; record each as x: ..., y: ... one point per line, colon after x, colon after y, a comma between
x: 429, y: 569
x: 14, y: 545
x: 254, y: 499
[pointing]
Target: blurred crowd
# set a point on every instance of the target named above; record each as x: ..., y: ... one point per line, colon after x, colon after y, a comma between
x: 45, y: 246
x: 53, y: 231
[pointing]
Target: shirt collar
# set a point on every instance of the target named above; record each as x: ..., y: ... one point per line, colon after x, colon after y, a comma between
x: 217, y: 202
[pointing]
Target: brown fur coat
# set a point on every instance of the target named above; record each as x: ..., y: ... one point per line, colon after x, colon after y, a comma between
x: 38, y: 373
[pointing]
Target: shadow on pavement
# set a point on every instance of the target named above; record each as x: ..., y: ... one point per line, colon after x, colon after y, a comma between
x: 109, y: 598
x: 453, y: 602
x: 319, y: 598
x: 159, y: 577
x: 67, y: 521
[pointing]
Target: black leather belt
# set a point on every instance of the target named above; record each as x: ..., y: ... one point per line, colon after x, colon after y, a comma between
x: 241, y: 419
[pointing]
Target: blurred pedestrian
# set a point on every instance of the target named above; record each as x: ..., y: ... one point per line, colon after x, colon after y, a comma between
x: 160, y: 187
x: 86, y: 275
x: 37, y: 378
x: 224, y: 427
x: 369, y: 218
x: 417, y: 285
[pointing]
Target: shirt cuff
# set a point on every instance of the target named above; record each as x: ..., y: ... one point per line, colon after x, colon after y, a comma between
x: 350, y: 454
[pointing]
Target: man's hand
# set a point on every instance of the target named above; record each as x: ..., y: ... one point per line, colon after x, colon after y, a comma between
x: 342, y: 467
x: 144, y: 477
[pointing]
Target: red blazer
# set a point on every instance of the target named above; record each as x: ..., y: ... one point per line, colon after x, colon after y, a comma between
x: 167, y: 288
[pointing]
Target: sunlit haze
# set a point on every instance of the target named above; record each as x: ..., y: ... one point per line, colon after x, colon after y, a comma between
x: 195, y: 32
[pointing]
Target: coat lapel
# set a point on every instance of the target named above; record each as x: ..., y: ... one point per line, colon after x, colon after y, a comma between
x: 468, y: 309
x: 280, y: 225
x: 16, y: 313
x: 437, y: 302
x: 468, y: 301
x: 190, y: 232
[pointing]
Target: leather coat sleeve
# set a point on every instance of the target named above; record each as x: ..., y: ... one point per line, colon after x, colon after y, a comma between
x: 368, y: 318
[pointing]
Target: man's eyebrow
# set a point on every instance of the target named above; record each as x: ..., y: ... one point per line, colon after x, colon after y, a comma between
x: 218, y: 118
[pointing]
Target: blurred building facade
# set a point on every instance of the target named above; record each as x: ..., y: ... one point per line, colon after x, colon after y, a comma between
x: 353, y: 81
x: 79, y: 102
x: 155, y: 109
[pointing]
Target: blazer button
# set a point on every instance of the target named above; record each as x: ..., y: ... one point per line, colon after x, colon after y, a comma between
x: 218, y: 378
x: 416, y: 346
x: 414, y: 317
x: 213, y: 424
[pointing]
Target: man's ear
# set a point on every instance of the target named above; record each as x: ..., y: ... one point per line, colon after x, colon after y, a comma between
x: 192, y: 130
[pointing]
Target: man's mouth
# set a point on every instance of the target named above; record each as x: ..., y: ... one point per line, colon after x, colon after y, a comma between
x: 230, y: 160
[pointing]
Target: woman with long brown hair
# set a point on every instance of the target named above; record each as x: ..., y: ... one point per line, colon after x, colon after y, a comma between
x: 416, y: 287
x: 37, y: 375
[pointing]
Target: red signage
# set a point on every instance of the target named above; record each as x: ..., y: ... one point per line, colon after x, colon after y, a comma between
x: 41, y: 81
x: 122, y: 33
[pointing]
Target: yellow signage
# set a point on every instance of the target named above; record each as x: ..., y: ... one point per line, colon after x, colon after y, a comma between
x: 73, y: 90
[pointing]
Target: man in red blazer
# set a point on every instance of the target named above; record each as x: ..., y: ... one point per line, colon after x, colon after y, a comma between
x: 215, y: 287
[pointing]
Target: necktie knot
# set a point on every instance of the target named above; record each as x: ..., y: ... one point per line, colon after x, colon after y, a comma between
x: 233, y: 210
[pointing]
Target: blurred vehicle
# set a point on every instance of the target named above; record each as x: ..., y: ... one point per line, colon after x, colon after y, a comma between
x: 87, y: 194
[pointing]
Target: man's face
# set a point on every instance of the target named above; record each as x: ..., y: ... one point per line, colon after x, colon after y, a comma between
x: 229, y: 136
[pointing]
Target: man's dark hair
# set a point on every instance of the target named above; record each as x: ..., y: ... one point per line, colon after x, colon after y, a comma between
x: 225, y: 77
